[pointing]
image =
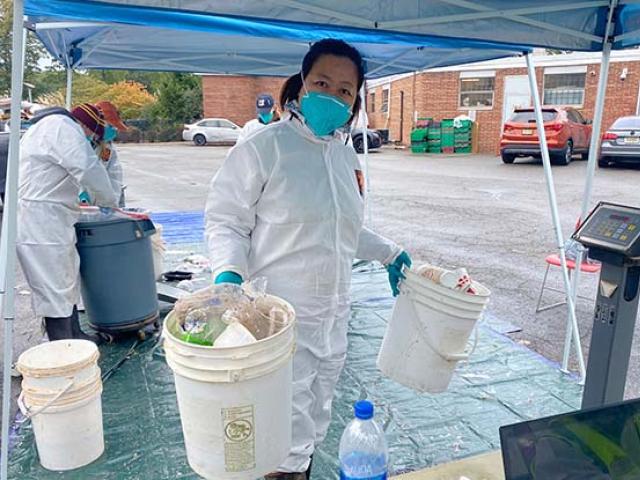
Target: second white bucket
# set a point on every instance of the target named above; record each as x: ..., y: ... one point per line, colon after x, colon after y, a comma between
x: 62, y: 395
x: 235, y: 403
x: 427, y: 334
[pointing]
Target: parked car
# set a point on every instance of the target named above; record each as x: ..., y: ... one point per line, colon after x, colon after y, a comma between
x: 211, y: 130
x: 375, y: 139
x: 621, y: 143
x: 567, y: 133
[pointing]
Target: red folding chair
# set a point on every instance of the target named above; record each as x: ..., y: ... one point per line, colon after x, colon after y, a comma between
x: 554, y: 260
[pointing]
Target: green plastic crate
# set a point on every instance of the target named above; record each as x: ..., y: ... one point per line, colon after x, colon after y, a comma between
x: 418, y: 134
x: 418, y: 149
x: 463, y: 149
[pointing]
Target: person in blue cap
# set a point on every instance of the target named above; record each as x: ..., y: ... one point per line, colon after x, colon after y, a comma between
x: 265, y: 106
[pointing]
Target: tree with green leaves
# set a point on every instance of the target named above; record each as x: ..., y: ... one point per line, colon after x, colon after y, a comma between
x: 34, y: 52
x: 179, y: 97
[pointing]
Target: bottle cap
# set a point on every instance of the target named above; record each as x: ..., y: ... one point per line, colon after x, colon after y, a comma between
x: 363, y: 409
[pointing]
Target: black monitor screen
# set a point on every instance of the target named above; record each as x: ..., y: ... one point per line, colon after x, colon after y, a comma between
x: 599, y: 444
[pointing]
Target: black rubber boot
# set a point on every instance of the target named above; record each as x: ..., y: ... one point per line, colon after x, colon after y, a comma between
x: 308, y: 472
x: 58, y: 328
x: 77, y: 332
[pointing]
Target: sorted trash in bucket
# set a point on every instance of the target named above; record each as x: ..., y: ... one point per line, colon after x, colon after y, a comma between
x: 458, y: 279
x: 228, y: 315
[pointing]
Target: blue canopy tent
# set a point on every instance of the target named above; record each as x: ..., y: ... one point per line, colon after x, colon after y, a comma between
x: 269, y: 37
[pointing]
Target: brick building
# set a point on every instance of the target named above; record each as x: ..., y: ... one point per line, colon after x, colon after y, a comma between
x: 489, y: 91
x: 234, y: 97
x: 486, y: 91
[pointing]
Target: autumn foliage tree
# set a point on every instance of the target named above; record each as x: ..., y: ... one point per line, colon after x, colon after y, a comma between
x: 131, y: 98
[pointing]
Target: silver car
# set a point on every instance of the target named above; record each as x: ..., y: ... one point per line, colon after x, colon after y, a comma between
x: 211, y: 130
x: 621, y: 143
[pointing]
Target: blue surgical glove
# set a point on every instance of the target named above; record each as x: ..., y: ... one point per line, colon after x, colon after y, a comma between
x: 395, y: 271
x: 228, y: 277
x: 84, y: 198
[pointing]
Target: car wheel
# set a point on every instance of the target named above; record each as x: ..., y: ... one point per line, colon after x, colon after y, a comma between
x: 200, y: 140
x: 603, y: 163
x: 508, y: 158
x: 564, y: 158
x: 358, y: 144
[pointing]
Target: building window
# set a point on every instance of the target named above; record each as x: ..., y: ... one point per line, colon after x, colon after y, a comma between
x: 385, y: 101
x: 372, y: 102
x: 564, y: 88
x: 476, y: 92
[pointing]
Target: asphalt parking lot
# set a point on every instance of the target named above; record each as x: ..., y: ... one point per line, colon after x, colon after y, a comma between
x: 468, y: 210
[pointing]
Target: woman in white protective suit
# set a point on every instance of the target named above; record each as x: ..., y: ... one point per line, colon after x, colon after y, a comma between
x: 287, y: 204
x: 57, y: 162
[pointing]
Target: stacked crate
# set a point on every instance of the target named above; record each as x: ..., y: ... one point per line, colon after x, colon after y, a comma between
x: 419, y: 140
x: 462, y: 137
x: 448, y: 136
x: 434, y: 138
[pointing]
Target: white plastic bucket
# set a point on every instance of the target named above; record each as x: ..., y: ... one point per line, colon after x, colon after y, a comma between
x: 235, y: 402
x: 428, y: 333
x: 61, y: 395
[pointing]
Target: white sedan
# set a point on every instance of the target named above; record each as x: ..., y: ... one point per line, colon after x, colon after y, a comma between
x: 211, y: 130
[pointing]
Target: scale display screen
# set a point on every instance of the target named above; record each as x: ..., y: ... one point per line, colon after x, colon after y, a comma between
x: 612, y: 227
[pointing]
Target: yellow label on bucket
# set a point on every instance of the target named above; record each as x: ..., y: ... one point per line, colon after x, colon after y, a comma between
x: 239, y: 438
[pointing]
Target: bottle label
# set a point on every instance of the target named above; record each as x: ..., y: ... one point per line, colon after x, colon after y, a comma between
x: 343, y: 476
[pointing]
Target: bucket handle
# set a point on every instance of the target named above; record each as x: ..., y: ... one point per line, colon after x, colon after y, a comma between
x: 449, y: 357
x: 26, y: 411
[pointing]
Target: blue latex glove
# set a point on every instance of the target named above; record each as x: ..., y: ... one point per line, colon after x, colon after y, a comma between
x: 228, y: 277
x: 395, y: 271
x: 84, y: 198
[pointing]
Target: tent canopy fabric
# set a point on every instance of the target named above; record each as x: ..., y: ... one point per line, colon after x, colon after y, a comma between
x: 137, y: 36
x: 497, y: 24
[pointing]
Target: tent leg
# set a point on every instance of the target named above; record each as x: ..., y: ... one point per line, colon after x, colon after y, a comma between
x: 546, y: 161
x: 365, y: 136
x: 594, y: 148
x: 9, y: 224
x: 69, y: 88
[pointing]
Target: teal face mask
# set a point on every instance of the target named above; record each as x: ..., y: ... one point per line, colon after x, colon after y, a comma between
x: 110, y: 133
x: 265, y: 117
x: 324, y: 113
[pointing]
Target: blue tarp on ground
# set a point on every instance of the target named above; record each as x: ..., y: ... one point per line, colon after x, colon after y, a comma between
x: 502, y: 383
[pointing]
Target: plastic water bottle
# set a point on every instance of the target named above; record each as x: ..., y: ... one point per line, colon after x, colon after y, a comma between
x: 363, y: 449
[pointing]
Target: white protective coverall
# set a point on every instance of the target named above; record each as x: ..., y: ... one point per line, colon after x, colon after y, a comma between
x: 114, y: 168
x: 286, y: 205
x: 250, y: 127
x: 56, y: 164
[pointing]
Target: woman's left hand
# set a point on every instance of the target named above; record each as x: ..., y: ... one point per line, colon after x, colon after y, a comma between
x: 395, y: 271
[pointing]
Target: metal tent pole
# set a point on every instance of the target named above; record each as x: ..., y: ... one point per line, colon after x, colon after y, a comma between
x: 594, y: 148
x: 69, y: 70
x: 546, y: 161
x: 365, y: 122
x: 9, y: 224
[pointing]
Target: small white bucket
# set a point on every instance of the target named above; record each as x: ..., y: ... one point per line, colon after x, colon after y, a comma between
x: 235, y: 402
x: 61, y: 394
x: 428, y: 333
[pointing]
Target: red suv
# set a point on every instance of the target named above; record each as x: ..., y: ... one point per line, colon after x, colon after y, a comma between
x: 566, y: 130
